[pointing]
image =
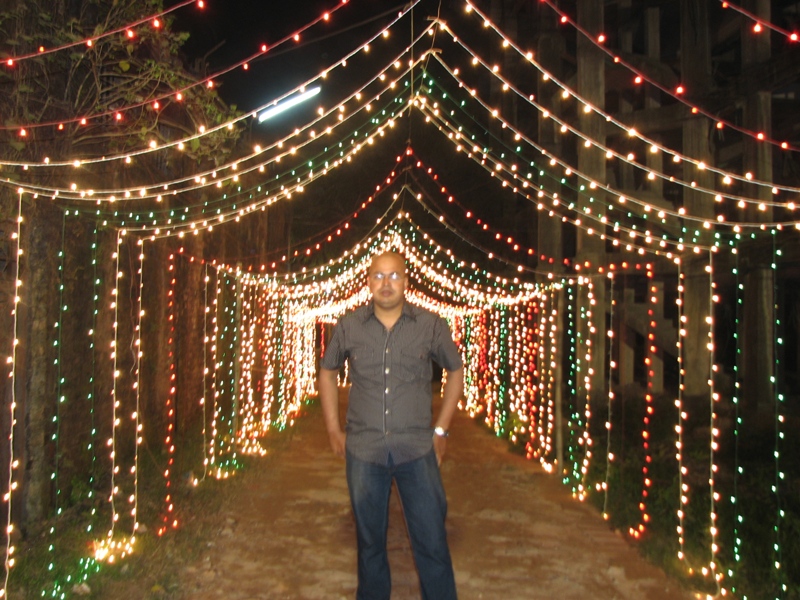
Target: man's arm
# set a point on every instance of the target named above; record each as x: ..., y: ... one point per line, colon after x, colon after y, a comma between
x: 327, y: 383
x: 453, y: 390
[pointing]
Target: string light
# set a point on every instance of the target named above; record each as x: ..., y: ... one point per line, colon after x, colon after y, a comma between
x: 513, y: 389
x: 206, y: 370
x: 13, y: 463
x: 547, y: 412
x: 181, y: 143
x: 111, y: 548
x: 210, y: 177
x: 55, y: 437
x: 649, y: 409
x: 612, y: 367
x: 206, y: 81
x: 138, y: 353
x: 482, y: 223
x: 211, y: 461
x: 569, y: 469
x: 676, y: 92
x: 520, y: 185
x: 12, y: 61
x: 93, y: 441
x: 779, y: 401
x: 642, y: 240
x: 587, y: 375
x: 168, y: 518
x: 182, y: 220
x: 683, y: 470
x: 759, y: 24
x: 565, y: 126
x: 714, y: 398
x: 456, y: 135
x: 738, y: 469
x: 288, y: 329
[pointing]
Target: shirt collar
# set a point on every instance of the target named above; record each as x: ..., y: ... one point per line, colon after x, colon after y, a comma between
x: 409, y: 311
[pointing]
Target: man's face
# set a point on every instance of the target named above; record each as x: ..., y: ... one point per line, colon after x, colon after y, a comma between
x: 387, y: 281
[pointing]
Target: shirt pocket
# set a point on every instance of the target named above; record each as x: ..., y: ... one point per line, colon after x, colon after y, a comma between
x: 415, y: 364
x: 366, y: 363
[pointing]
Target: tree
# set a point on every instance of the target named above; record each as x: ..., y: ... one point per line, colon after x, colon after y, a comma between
x: 102, y: 94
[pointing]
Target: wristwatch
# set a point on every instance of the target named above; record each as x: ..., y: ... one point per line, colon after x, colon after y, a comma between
x: 441, y: 432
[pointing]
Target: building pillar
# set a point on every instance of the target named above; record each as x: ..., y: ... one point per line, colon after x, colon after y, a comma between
x: 592, y: 163
x: 696, y: 73
x: 758, y: 325
x: 550, y: 239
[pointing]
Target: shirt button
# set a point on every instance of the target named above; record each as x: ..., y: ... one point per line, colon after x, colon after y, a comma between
x: 387, y: 371
x: 387, y: 411
x: 386, y: 391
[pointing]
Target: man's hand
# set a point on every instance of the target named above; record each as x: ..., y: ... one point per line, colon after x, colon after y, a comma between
x: 329, y: 398
x: 439, y: 446
x: 453, y: 390
x: 337, y: 438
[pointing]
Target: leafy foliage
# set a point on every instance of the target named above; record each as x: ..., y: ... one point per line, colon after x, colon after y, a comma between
x: 100, y: 82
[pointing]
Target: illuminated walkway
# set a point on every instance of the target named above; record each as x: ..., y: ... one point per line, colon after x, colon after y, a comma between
x: 515, y: 533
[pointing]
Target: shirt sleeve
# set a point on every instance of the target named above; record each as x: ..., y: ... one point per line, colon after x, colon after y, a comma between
x: 446, y: 354
x: 334, y: 356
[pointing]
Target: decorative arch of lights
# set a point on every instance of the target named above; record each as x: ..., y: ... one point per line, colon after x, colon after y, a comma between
x: 264, y: 332
x: 283, y: 317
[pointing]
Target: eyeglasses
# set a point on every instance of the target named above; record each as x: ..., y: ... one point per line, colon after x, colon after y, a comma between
x: 393, y: 276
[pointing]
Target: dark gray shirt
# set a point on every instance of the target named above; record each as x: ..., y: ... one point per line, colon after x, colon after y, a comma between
x: 389, y: 407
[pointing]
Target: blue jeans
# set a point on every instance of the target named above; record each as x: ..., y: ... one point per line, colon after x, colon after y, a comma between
x: 424, y: 506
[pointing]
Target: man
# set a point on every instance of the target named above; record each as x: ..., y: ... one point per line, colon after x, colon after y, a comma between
x: 389, y: 433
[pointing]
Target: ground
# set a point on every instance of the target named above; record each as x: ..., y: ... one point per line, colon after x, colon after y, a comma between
x: 283, y: 530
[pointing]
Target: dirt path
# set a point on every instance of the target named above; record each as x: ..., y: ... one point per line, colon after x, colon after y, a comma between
x: 514, y: 532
